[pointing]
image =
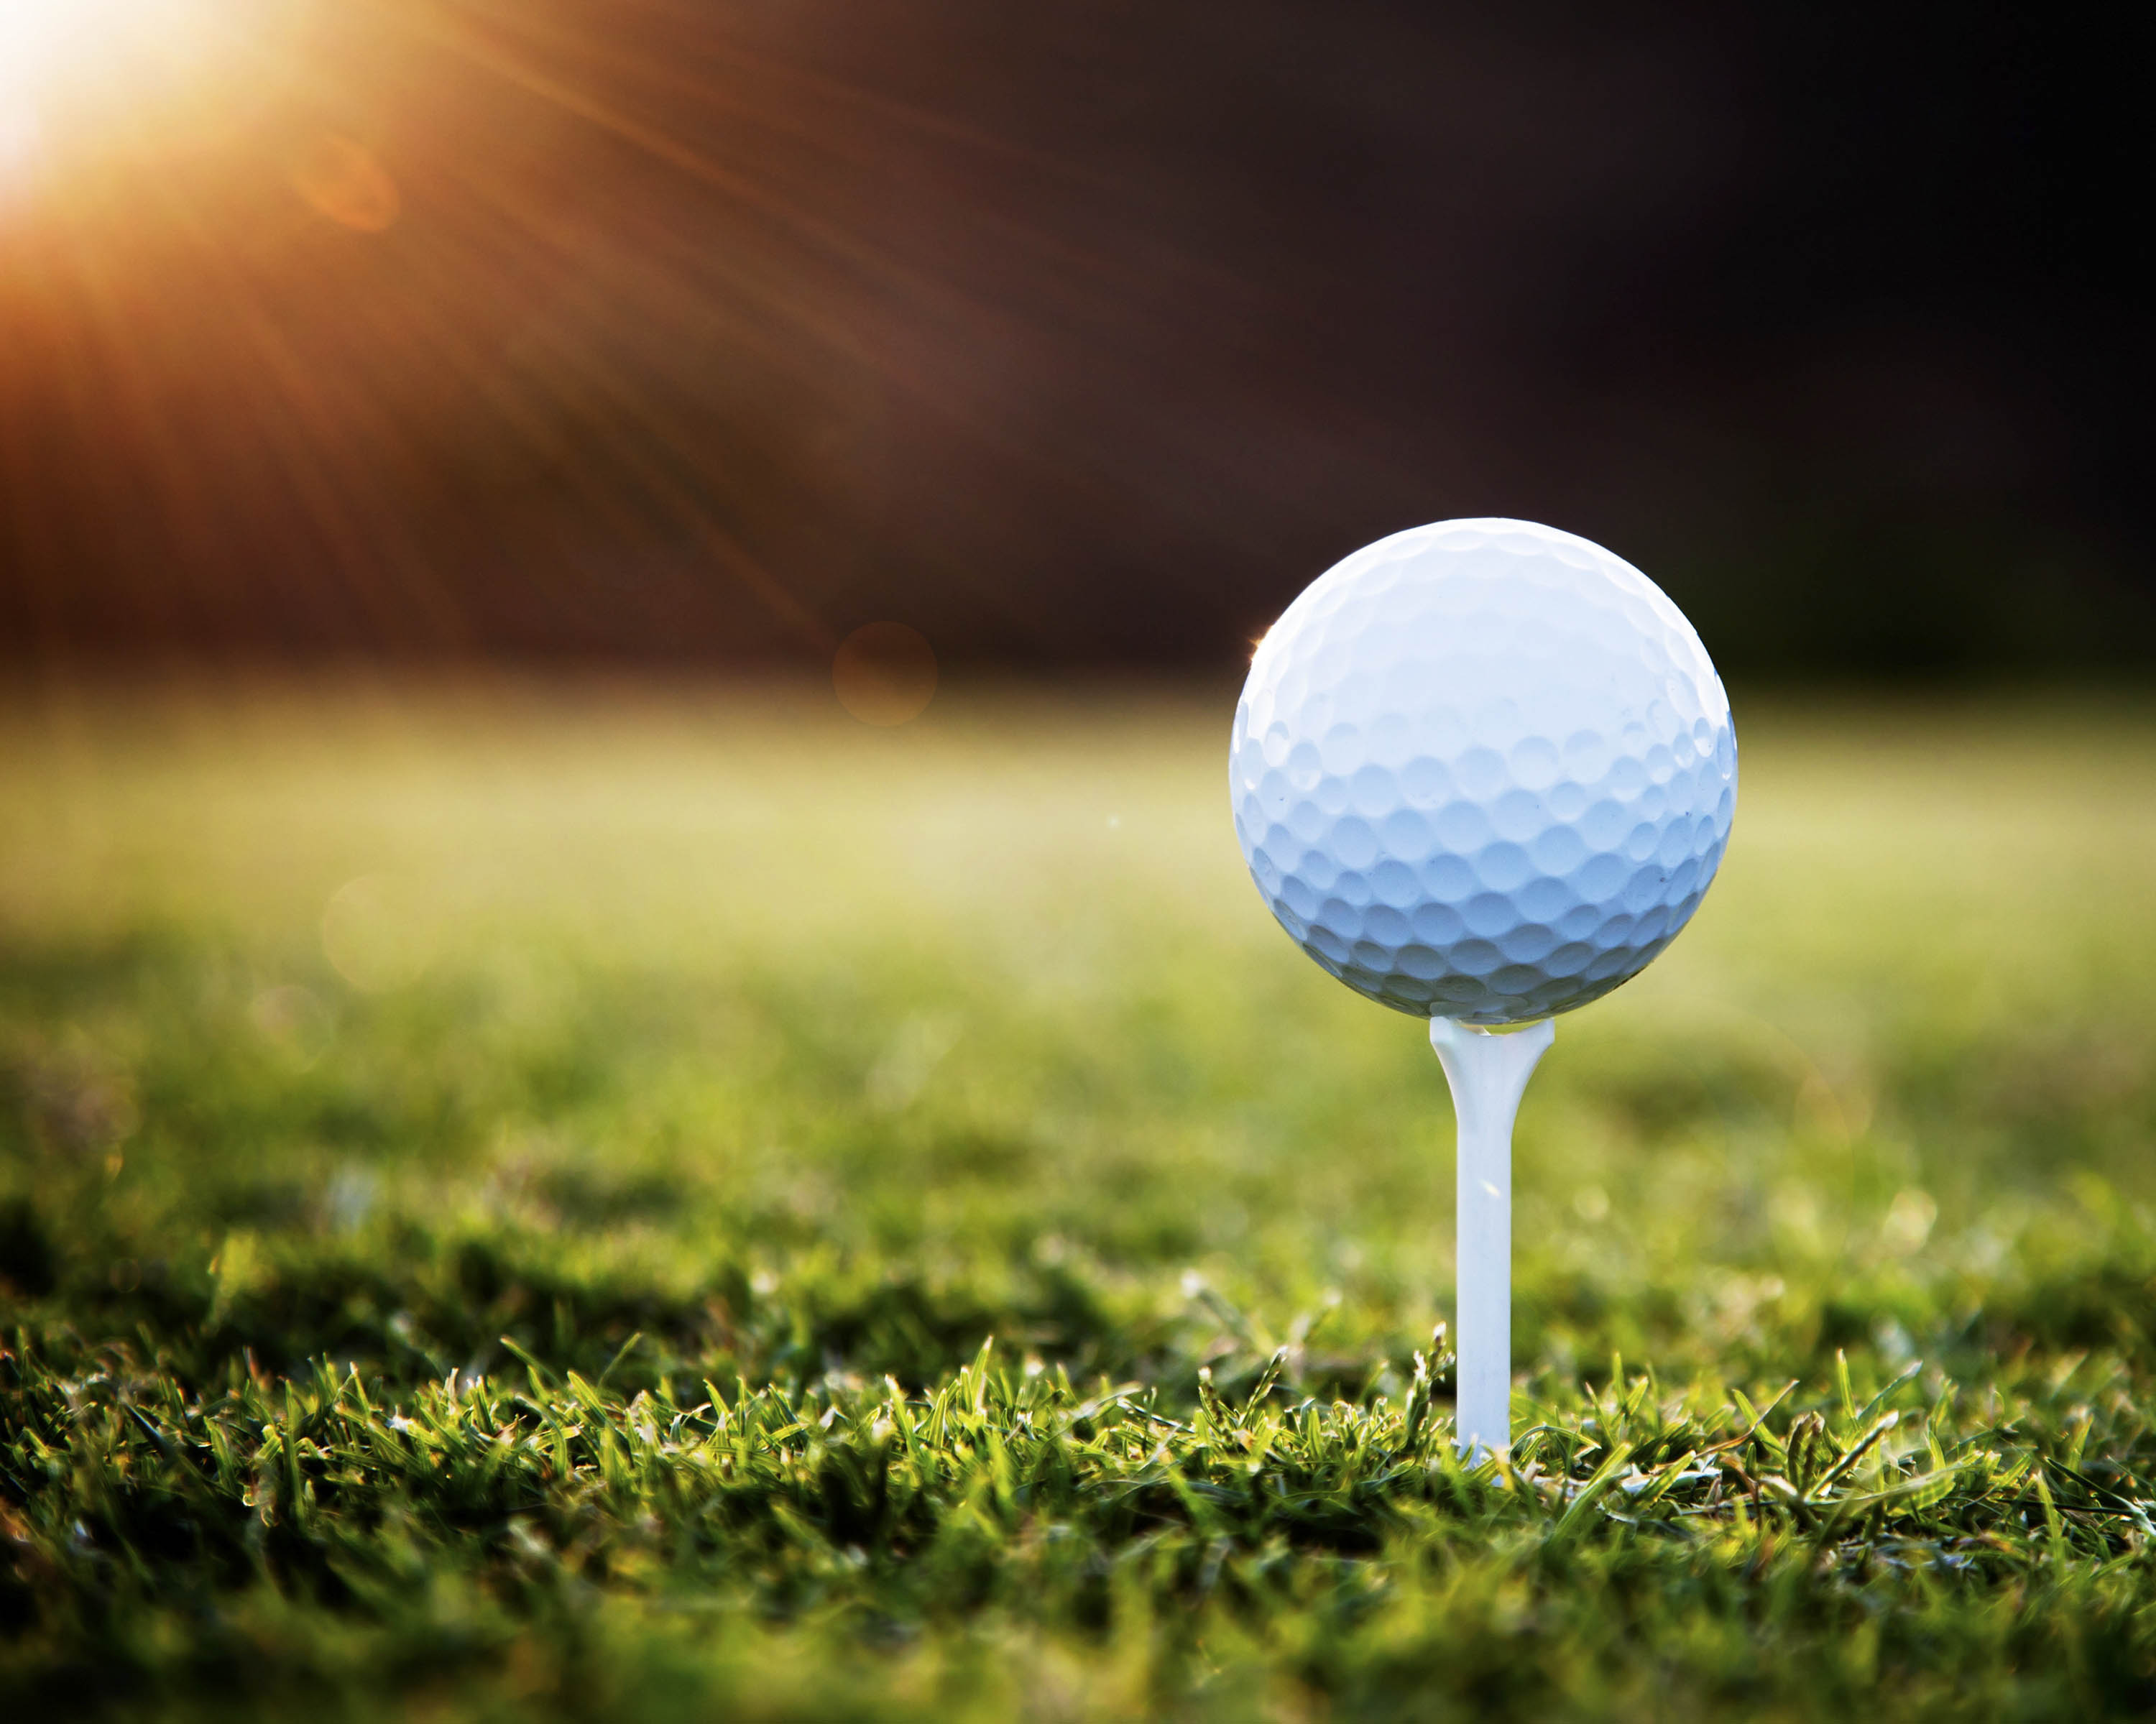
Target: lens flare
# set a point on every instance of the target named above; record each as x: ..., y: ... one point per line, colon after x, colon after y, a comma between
x: 341, y: 182
x: 884, y: 674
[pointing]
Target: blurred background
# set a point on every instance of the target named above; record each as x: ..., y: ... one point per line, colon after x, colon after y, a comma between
x: 661, y: 332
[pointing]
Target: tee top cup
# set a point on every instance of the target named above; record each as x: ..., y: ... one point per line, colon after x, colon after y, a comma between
x: 1483, y: 772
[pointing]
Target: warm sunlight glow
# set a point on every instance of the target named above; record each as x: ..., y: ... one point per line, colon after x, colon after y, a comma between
x: 72, y: 66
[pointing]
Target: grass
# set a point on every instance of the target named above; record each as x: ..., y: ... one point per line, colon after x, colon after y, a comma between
x: 653, y: 1204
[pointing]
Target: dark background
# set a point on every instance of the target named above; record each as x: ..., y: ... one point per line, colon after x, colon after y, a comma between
x: 1084, y: 335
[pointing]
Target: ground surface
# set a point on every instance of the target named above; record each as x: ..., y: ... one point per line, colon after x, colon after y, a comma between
x: 655, y: 1206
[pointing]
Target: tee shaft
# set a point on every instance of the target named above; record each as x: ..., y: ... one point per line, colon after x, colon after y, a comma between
x: 1488, y: 1074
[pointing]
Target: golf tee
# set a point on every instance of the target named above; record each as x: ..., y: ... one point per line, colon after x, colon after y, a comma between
x: 1488, y: 1073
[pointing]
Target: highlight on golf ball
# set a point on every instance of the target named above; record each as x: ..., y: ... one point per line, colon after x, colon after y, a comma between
x: 1483, y: 770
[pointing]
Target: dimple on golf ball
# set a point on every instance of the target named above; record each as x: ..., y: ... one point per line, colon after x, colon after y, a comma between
x: 1483, y: 770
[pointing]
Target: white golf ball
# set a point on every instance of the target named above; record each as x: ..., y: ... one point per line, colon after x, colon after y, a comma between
x: 1483, y: 770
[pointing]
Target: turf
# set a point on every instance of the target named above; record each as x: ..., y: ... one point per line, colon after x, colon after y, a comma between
x: 662, y: 1203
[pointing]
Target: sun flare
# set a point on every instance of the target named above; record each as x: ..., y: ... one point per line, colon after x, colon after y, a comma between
x: 76, y: 69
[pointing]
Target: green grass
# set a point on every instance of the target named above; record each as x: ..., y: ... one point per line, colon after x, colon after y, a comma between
x: 643, y: 1204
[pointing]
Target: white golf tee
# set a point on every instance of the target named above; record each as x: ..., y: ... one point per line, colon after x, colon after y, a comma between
x: 1488, y: 1073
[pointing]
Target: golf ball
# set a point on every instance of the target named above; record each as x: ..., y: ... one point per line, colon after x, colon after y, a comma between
x: 1483, y: 770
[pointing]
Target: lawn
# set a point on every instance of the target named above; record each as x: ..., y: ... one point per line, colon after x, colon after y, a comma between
x: 654, y: 1202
